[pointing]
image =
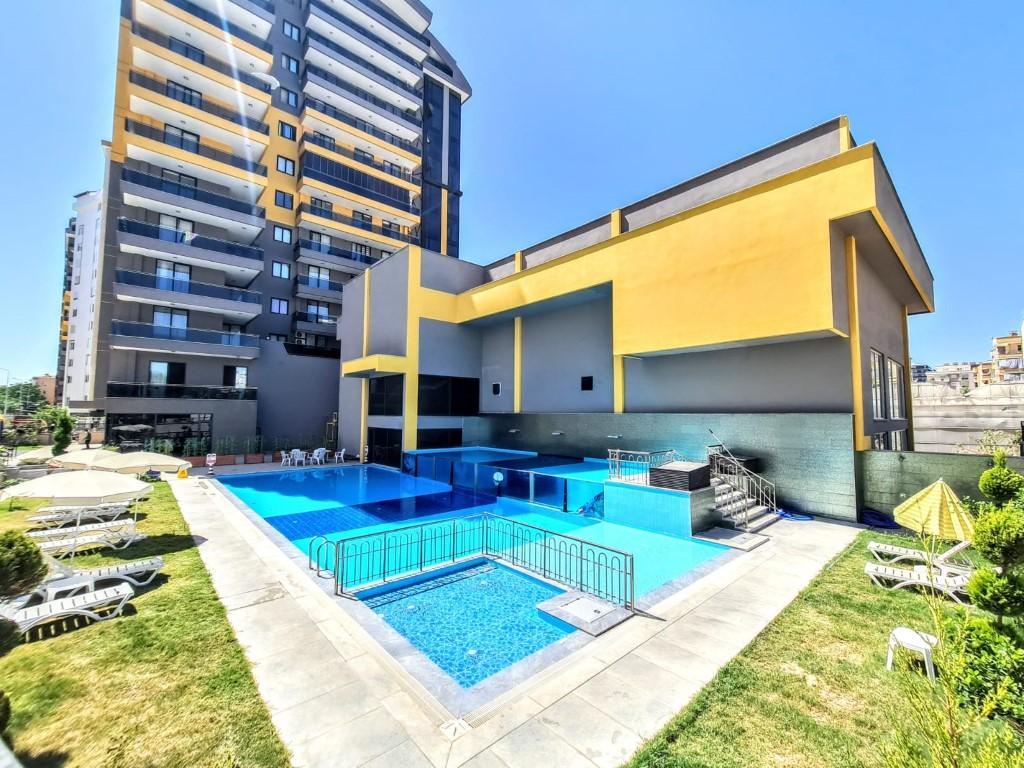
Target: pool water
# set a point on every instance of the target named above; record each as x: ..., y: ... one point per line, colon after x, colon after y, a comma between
x: 473, y: 621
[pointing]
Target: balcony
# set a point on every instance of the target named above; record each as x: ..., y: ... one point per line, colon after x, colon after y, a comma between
x: 193, y: 99
x: 345, y: 90
x: 333, y: 257
x: 311, y: 322
x: 146, y: 337
x: 240, y: 262
x: 235, y: 304
x: 412, y: 147
x: 222, y: 23
x: 354, y: 227
x: 241, y: 219
x: 178, y: 391
x: 361, y: 33
x: 328, y: 50
x: 315, y: 288
x: 390, y: 168
x: 393, y: 198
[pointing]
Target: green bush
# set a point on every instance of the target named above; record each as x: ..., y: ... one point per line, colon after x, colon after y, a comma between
x: 5, y: 712
x: 999, y: 534
x: 1000, y: 483
x: 9, y: 638
x: 987, y: 669
x: 21, y: 564
x: 999, y: 593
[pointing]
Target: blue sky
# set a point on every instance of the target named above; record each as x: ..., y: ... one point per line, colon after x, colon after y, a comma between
x: 581, y: 106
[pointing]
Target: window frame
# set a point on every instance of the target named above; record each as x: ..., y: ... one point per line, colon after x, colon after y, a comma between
x: 290, y: 30
x: 290, y: 134
x: 281, y: 269
x: 879, y: 407
x: 288, y: 163
x: 289, y: 97
x: 280, y: 195
x: 285, y: 234
x: 896, y: 389
x: 282, y: 306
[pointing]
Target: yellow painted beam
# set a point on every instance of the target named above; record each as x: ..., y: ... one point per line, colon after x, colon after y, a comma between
x: 518, y: 261
x: 411, y: 380
x: 908, y: 395
x: 444, y: 222
x: 615, y: 222
x: 517, y: 366
x: 378, y: 365
x: 619, y: 383
x: 845, y: 139
x: 861, y: 442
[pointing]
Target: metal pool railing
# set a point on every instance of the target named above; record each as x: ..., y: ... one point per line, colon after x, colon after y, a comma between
x: 376, y: 558
x: 635, y: 466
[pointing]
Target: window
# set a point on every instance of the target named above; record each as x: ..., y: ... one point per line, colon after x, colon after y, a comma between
x: 236, y: 376
x: 169, y: 323
x: 319, y: 277
x: 287, y: 62
x: 176, y: 137
x: 286, y: 129
x: 386, y: 396
x: 167, y: 221
x: 186, y: 50
x: 284, y: 199
x: 280, y: 269
x: 316, y: 310
x: 279, y: 306
x: 324, y: 205
x: 389, y: 227
x: 282, y: 234
x: 363, y: 157
x: 877, y: 391
x: 324, y: 140
x: 496, y: 388
x: 181, y: 179
x: 896, y: 391
x: 276, y: 337
x: 361, y: 249
x: 181, y: 93
x: 291, y: 98
x: 880, y: 441
x: 290, y: 30
x: 898, y: 440
x: 321, y: 238
x: 284, y: 165
x: 586, y: 383
x: 173, y: 277
x: 166, y: 373
x: 392, y: 168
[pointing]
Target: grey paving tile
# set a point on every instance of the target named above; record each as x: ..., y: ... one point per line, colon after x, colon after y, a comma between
x: 672, y: 688
x: 486, y: 759
x: 534, y: 745
x: 290, y: 677
x: 628, y: 701
x: 405, y: 755
x: 595, y: 735
x: 354, y: 743
x: 308, y: 719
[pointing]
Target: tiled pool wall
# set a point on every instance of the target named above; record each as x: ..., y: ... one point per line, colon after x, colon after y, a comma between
x: 659, y: 509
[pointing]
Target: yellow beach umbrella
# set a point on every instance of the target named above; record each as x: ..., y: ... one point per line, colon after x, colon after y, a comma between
x: 936, y: 511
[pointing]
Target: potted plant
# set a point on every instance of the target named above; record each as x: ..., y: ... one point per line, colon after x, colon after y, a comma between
x: 253, y: 450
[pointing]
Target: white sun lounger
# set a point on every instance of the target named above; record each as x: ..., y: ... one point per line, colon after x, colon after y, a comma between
x: 889, y: 577
x: 890, y: 554
x: 99, y: 605
x: 81, y: 507
x: 49, y: 534
x: 74, y: 514
x: 116, y: 539
x: 138, y: 573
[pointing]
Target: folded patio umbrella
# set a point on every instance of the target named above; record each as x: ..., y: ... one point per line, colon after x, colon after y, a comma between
x: 137, y: 463
x: 936, y: 511
x: 79, y: 488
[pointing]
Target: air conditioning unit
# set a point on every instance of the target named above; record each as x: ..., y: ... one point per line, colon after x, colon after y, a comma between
x: 300, y: 335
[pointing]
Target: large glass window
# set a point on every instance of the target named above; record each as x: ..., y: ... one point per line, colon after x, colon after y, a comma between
x: 161, y: 372
x: 169, y: 323
x: 290, y: 30
x: 236, y: 376
x: 173, y: 277
x: 449, y: 396
x: 897, y: 399
x: 386, y: 396
x: 279, y: 306
x: 281, y: 269
x: 877, y: 385
x: 289, y: 63
x: 285, y: 165
x: 282, y: 234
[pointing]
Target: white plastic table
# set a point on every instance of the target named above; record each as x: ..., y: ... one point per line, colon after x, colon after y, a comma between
x: 917, y: 642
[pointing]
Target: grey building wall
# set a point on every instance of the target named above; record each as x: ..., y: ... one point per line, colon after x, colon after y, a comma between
x: 389, y: 283
x: 349, y: 403
x: 443, y: 273
x: 350, y: 323
x: 592, y: 232
x: 231, y: 418
x: 298, y: 394
x: 889, y: 478
x: 840, y: 294
x: 793, y: 377
x: 809, y: 456
x: 447, y: 349
x: 561, y: 346
x: 497, y: 366
x: 892, y: 210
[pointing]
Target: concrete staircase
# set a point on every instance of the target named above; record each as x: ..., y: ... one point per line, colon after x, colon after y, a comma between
x: 740, y: 511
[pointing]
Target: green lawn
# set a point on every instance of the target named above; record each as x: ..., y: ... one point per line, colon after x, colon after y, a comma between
x: 810, y: 691
x: 166, y: 684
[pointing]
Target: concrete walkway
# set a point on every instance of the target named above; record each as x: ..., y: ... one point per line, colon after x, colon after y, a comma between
x: 338, y: 700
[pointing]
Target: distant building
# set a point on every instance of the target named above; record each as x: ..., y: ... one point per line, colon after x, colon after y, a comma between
x: 46, y: 384
x: 65, y: 313
x: 1008, y: 358
x: 956, y: 375
x: 919, y: 372
x: 86, y: 243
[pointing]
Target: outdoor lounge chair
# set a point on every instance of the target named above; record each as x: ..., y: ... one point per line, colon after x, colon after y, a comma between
x: 138, y: 573
x: 50, y: 534
x: 889, y: 577
x: 99, y: 605
x: 75, y: 514
x: 890, y: 554
x: 112, y: 539
x: 81, y: 507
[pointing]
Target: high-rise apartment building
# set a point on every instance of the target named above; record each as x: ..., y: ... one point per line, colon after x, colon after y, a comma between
x: 262, y: 154
x: 65, y: 312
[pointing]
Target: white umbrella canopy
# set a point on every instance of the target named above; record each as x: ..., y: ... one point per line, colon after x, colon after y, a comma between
x: 37, y: 454
x: 136, y: 463
x: 79, y: 459
x: 73, y: 488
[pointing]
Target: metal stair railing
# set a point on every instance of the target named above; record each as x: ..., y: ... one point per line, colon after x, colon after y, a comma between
x: 635, y: 466
x: 753, y: 486
x: 376, y: 558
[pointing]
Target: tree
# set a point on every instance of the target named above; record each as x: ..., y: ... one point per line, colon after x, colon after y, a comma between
x: 21, y: 569
x: 23, y: 397
x: 999, y: 482
x: 61, y: 424
x: 999, y: 536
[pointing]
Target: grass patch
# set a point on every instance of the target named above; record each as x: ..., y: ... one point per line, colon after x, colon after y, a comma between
x: 811, y: 690
x: 166, y: 684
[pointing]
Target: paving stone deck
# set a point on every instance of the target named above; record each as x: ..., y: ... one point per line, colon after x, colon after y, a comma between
x: 338, y: 700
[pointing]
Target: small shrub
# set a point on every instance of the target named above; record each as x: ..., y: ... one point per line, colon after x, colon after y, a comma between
x: 987, y: 669
x: 999, y: 593
x: 9, y: 639
x: 999, y: 534
x: 999, y: 482
x: 5, y: 712
x: 21, y: 564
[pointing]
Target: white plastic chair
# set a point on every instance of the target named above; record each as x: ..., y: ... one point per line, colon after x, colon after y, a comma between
x: 298, y: 457
x: 319, y: 456
x: 286, y: 459
x: 339, y: 456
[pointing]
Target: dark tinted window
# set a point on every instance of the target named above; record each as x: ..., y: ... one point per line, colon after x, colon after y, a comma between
x: 449, y: 396
x: 386, y: 396
x: 586, y: 383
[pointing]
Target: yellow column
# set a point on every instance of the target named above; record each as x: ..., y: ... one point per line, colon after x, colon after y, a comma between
x: 411, y: 380
x: 364, y: 388
x: 615, y: 220
x: 444, y: 222
x: 860, y: 439
x: 907, y: 387
x: 517, y: 366
x: 845, y: 140
x: 619, y: 383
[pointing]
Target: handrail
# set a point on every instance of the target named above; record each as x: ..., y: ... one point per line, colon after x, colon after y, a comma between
x: 343, y: 117
x: 375, y: 558
x: 635, y: 466
x: 194, y: 98
x: 731, y: 471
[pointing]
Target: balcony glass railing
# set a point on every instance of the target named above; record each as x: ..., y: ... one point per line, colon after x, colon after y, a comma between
x: 369, y: 98
x: 363, y: 184
x: 314, y: 317
x: 146, y: 229
x: 396, y: 233
x: 383, y: 13
x: 161, y: 135
x: 198, y: 55
x: 191, y: 287
x: 195, y: 99
x: 341, y: 253
x: 362, y: 125
x: 390, y: 168
x: 264, y: 4
x: 344, y: 23
x: 409, y: 90
x: 192, y: 193
x: 217, y: 21
x: 323, y: 284
x: 178, y: 391
x: 197, y: 335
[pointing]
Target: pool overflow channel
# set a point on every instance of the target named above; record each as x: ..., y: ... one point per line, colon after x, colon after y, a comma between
x: 599, y: 580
